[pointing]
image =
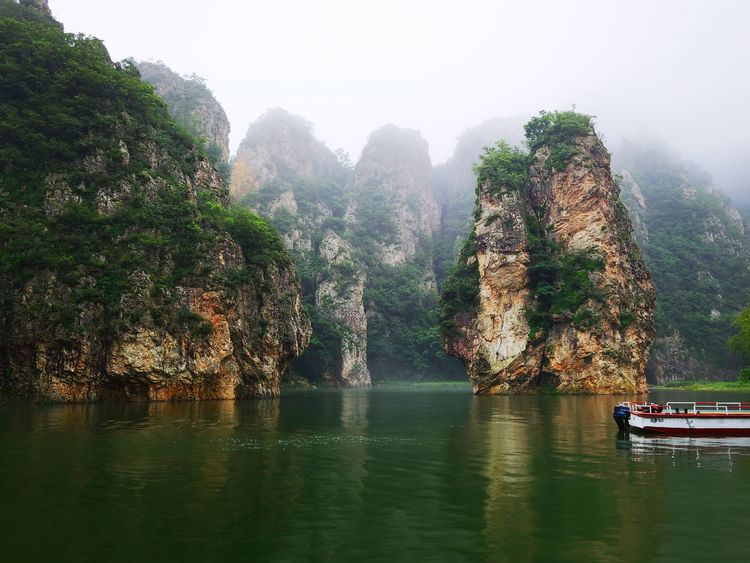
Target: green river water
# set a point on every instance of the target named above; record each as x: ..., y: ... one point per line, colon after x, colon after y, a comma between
x: 382, y: 475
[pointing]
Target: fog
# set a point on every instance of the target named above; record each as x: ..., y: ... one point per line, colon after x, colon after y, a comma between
x: 674, y: 70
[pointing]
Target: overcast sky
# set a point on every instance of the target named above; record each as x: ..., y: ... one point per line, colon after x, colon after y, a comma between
x: 679, y: 70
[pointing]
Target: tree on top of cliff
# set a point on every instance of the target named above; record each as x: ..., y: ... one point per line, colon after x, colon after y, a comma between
x: 558, y: 130
x: 502, y: 167
x: 549, y: 128
x: 560, y: 281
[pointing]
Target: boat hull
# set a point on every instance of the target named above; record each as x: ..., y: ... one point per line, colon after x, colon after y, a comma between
x: 691, y: 424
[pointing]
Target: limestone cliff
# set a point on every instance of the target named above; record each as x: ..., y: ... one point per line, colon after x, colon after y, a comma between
x: 454, y: 186
x: 392, y: 220
x: 393, y: 195
x: 192, y: 104
x: 124, y: 274
x: 696, y: 246
x: 340, y: 295
x: 563, y: 296
x: 362, y: 240
x: 280, y: 145
x: 284, y: 173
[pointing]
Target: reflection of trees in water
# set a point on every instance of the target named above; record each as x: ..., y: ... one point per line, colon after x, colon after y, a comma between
x: 394, y: 476
x: 298, y: 485
x: 109, y: 473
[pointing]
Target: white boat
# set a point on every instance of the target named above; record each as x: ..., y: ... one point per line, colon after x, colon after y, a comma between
x: 685, y: 418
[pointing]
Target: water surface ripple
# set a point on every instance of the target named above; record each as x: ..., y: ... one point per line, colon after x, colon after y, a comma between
x: 407, y: 475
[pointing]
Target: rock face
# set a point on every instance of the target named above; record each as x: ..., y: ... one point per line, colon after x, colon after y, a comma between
x: 339, y: 296
x: 280, y: 145
x: 362, y: 242
x: 392, y: 185
x: 454, y: 186
x: 251, y: 336
x: 191, y: 103
x: 392, y: 220
x: 571, y: 211
x: 284, y: 173
x: 695, y: 244
x: 124, y: 274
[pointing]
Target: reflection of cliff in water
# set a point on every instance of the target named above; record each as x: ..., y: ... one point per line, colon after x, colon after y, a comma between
x: 550, y: 478
x: 509, y: 516
x: 298, y: 476
x: 679, y: 460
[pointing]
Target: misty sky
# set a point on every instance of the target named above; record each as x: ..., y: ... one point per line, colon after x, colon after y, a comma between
x: 677, y: 70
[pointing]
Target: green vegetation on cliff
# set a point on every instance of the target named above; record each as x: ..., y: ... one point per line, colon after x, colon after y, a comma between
x: 503, y: 168
x: 561, y: 281
x: 740, y: 342
x: 319, y: 205
x: 93, y: 177
x: 460, y: 292
x: 693, y: 242
x: 454, y: 183
x: 285, y: 173
x: 403, y: 334
x: 557, y: 130
x: 193, y: 107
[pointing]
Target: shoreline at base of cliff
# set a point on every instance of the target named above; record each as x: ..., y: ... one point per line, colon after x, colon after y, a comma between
x: 693, y: 385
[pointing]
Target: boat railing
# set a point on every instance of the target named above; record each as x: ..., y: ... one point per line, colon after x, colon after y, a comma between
x: 693, y: 407
x: 724, y: 407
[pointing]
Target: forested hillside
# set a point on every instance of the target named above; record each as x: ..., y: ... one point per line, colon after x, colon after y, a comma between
x: 123, y: 271
x: 194, y: 107
x: 696, y: 246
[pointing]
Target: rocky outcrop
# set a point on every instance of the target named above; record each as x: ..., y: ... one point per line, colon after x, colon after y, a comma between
x: 40, y: 6
x: 250, y: 336
x: 560, y: 238
x: 694, y: 242
x: 362, y: 243
x: 339, y: 296
x: 281, y: 146
x: 670, y: 359
x: 284, y: 173
x: 191, y: 103
x: 392, y: 193
x: 204, y: 338
x: 454, y: 186
x: 392, y: 220
x: 124, y: 273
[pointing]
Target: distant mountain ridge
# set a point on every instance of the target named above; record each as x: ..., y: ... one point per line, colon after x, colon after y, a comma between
x: 696, y: 244
x: 362, y: 237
